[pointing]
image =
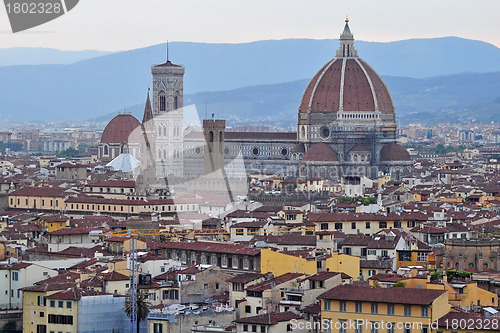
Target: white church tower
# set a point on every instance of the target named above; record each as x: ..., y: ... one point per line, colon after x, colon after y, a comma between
x: 167, y: 105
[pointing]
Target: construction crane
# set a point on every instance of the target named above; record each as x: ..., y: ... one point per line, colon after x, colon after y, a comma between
x: 133, y: 234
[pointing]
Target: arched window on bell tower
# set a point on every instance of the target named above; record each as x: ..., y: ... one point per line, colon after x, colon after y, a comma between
x: 176, y: 102
x: 163, y: 101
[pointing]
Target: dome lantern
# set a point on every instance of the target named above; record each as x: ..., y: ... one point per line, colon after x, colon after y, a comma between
x: 346, y: 48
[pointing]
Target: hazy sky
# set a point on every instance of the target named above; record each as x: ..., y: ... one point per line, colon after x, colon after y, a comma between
x: 113, y: 25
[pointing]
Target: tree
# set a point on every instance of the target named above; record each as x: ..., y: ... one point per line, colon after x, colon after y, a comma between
x: 70, y: 152
x: 10, y: 327
x: 142, y: 306
x: 399, y: 284
x: 437, y: 275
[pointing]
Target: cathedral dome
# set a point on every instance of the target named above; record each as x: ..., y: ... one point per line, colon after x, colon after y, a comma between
x: 119, y: 129
x: 394, y: 152
x: 320, y: 152
x: 346, y: 83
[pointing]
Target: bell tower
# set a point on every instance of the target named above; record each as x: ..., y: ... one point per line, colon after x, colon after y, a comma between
x: 167, y: 106
x: 214, y: 130
x: 168, y: 87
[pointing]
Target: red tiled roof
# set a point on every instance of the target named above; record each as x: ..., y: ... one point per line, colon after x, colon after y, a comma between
x: 320, y: 152
x: 394, y: 152
x: 189, y: 270
x: 274, y: 282
x: 287, y: 239
x: 383, y: 295
x: 119, y: 129
x: 40, y: 192
x: 429, y: 229
x: 114, y: 183
x: 314, y: 309
x: 245, y: 277
x: 114, y: 276
x: 70, y: 231
x: 20, y: 265
x: 55, y: 218
x: 212, y: 247
x: 474, y: 321
x: 322, y: 276
x: 73, y: 294
x: 356, y: 240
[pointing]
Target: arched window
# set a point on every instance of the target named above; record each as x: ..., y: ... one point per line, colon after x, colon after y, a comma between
x: 176, y: 102
x: 163, y: 101
x: 210, y: 141
x: 221, y: 141
x: 106, y: 150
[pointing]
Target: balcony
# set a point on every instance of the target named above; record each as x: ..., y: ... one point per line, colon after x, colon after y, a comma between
x: 293, y: 303
x: 294, y: 291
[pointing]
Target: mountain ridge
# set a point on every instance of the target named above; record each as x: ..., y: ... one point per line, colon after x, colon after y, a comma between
x: 94, y: 87
x: 448, y: 98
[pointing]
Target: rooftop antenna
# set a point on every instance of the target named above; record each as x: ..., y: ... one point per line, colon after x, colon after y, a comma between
x: 167, y: 51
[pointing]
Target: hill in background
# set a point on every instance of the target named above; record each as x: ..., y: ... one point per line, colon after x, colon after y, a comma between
x: 248, y: 78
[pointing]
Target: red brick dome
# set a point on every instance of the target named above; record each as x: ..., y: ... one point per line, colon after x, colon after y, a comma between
x: 320, y: 152
x: 119, y: 129
x: 394, y: 152
x: 347, y: 84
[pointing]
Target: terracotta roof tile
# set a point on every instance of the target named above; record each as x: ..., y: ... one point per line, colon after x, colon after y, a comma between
x: 119, y: 129
x: 320, y: 152
x: 383, y: 295
x: 274, y: 282
x: 245, y: 277
x: 212, y: 247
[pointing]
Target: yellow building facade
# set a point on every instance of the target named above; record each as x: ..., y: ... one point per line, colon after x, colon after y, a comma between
x: 43, y: 311
x: 355, y: 309
x: 280, y: 263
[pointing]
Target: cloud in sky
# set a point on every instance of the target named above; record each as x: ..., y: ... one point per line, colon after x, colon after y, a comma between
x: 125, y: 24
